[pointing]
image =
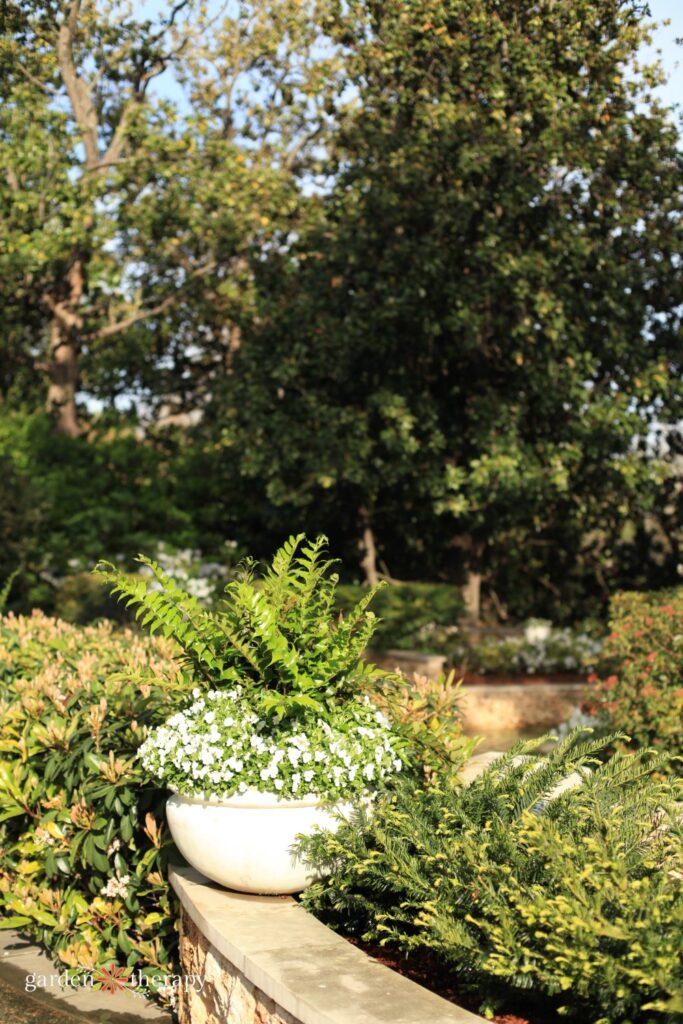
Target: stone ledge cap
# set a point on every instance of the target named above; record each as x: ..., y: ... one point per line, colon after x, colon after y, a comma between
x: 304, y: 967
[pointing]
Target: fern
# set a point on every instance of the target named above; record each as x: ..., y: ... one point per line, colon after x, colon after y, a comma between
x: 274, y: 632
x: 5, y: 590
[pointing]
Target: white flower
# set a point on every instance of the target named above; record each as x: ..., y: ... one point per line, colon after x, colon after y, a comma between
x: 116, y: 887
x: 219, y: 746
x: 537, y: 632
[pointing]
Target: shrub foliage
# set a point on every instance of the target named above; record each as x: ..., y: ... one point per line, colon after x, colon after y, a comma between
x: 83, y: 847
x: 641, y: 687
x: 576, y: 897
x: 409, y: 613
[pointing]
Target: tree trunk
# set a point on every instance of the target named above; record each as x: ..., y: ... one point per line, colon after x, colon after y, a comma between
x: 471, y: 559
x: 63, y: 374
x: 369, y: 549
x: 471, y: 593
x: 63, y: 364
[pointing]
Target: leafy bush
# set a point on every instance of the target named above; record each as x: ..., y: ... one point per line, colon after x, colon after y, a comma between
x: 112, y: 491
x: 426, y: 713
x: 640, y: 691
x: 541, y: 647
x: 83, y: 849
x: 513, y: 891
x: 412, y: 616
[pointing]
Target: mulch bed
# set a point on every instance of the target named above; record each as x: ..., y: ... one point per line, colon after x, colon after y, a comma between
x: 428, y: 971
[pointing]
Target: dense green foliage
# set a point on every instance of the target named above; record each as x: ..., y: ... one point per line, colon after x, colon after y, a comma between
x: 515, y: 893
x: 467, y: 350
x: 407, y: 612
x: 64, y: 500
x: 640, y: 689
x: 403, y: 273
x: 83, y: 845
x: 275, y: 634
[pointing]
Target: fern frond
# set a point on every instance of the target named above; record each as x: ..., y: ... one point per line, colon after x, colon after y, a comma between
x: 169, y: 611
x: 6, y: 588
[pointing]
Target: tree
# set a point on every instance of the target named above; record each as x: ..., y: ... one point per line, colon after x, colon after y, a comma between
x: 125, y: 213
x: 472, y: 354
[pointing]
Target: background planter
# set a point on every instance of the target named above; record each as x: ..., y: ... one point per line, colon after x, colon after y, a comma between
x: 501, y: 708
x: 246, y: 843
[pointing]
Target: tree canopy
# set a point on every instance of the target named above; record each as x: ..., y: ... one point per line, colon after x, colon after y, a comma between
x: 410, y: 268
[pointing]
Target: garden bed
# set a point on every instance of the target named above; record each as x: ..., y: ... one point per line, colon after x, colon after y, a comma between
x: 510, y: 679
x: 428, y: 972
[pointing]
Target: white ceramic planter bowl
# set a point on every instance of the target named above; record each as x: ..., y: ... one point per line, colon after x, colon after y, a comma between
x: 245, y: 843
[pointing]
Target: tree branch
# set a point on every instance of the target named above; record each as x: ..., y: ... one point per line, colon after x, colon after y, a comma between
x: 141, y: 314
x: 145, y: 314
x: 65, y: 316
x: 32, y: 78
x: 79, y: 94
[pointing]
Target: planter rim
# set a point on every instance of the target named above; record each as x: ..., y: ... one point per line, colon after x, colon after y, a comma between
x: 255, y: 798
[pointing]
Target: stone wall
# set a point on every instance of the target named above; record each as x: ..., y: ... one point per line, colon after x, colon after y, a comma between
x: 226, y: 997
x: 266, y: 960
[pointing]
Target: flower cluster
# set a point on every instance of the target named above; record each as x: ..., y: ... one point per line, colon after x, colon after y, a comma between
x: 116, y: 887
x: 220, y: 747
x: 541, y: 648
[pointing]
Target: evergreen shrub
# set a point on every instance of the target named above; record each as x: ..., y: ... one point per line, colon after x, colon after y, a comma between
x: 574, y: 900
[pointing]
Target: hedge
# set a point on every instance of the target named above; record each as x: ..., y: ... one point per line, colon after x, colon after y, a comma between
x: 83, y: 846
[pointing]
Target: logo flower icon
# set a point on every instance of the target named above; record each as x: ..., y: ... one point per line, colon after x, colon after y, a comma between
x: 112, y: 979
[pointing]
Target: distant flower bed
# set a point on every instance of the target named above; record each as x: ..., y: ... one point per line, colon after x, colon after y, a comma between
x: 541, y: 648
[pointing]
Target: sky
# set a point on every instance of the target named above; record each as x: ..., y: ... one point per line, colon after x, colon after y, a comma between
x: 663, y: 44
x: 665, y: 41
